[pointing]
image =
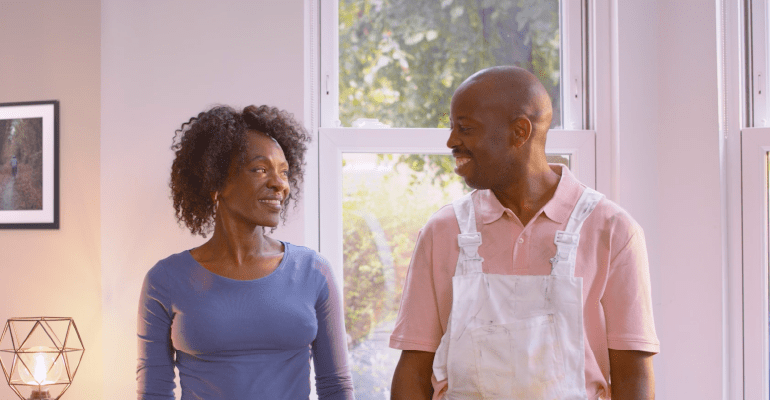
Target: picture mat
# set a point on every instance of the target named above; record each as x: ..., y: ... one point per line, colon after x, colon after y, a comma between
x: 46, y: 215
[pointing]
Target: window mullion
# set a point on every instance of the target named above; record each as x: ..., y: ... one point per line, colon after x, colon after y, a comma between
x: 329, y: 84
x: 757, y: 63
x: 573, y: 94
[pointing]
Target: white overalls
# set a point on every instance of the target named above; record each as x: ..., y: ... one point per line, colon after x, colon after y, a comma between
x: 515, y: 336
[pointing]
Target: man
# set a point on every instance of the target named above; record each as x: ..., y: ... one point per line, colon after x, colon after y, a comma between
x: 14, y: 166
x: 547, y: 282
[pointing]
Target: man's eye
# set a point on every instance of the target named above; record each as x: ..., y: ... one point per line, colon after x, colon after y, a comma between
x: 258, y: 169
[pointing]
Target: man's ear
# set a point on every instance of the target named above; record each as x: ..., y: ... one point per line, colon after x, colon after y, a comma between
x: 521, y: 131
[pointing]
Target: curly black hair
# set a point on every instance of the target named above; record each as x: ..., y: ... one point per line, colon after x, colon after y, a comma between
x: 210, y: 143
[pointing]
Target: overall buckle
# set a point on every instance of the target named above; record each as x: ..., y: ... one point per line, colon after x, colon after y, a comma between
x: 469, y: 239
x: 469, y: 246
x: 566, y: 238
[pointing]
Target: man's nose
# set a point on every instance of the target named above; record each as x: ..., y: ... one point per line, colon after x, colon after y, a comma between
x: 452, y: 141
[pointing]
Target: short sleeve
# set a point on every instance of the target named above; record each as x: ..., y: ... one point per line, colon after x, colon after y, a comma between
x: 155, y: 364
x: 627, y: 300
x: 330, y: 356
x: 418, y: 326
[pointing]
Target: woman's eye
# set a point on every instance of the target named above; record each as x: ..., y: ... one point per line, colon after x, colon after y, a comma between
x: 285, y: 173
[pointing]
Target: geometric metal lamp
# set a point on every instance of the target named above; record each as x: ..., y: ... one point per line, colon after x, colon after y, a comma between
x: 40, y: 356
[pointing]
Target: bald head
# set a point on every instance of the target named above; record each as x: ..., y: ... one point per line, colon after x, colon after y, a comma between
x: 514, y: 91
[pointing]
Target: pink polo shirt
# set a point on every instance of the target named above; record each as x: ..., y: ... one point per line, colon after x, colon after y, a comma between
x: 611, y: 259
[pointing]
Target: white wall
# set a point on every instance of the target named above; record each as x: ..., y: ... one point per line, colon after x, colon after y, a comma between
x: 162, y: 63
x: 49, y: 50
x: 689, y: 197
x: 670, y: 181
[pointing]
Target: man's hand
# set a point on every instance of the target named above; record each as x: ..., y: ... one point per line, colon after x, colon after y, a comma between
x: 631, y: 375
x: 411, y: 380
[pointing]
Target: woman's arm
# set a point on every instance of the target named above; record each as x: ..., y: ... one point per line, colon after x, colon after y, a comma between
x: 155, y: 364
x: 330, y: 354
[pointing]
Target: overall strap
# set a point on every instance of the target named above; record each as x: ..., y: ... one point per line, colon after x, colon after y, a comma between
x: 469, y: 239
x: 563, y: 263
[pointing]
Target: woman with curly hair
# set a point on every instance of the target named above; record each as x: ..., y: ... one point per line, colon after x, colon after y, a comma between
x: 241, y: 316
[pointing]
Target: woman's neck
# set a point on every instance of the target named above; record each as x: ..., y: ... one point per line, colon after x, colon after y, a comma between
x: 237, y: 244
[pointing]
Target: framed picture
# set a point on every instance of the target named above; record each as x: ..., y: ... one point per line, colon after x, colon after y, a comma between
x: 29, y: 165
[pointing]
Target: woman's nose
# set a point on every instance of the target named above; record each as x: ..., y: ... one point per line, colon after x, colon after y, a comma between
x: 278, y: 182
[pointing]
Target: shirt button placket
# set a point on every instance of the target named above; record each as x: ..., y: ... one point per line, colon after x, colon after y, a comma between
x: 517, y: 249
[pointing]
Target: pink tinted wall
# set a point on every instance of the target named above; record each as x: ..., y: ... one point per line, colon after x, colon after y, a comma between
x: 50, y: 51
x: 162, y: 63
x: 670, y: 181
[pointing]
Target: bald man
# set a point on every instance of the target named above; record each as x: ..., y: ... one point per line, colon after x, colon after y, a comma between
x: 533, y: 286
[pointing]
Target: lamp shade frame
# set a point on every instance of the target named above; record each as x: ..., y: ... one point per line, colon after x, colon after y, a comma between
x: 69, y: 351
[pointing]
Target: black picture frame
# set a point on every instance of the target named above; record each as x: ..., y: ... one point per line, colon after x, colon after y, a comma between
x: 29, y: 165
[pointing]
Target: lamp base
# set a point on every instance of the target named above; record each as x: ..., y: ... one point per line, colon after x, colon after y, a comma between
x: 39, y: 394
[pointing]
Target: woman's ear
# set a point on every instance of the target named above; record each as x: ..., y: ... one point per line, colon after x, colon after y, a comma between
x: 215, y: 198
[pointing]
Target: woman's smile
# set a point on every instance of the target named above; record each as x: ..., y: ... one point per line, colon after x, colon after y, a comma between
x: 272, y: 204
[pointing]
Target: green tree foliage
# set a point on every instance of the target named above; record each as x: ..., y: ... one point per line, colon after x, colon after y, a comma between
x: 436, y: 167
x: 400, y: 60
x: 401, y: 201
x: 364, y: 277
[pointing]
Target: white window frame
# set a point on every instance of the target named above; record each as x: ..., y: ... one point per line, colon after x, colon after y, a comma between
x: 743, y: 51
x: 755, y: 146
x: 594, y: 152
x: 757, y: 41
x: 588, y: 106
x: 732, y: 119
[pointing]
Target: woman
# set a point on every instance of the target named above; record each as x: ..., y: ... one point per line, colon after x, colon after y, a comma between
x: 242, y: 315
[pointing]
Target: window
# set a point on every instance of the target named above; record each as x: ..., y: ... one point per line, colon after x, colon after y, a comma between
x: 752, y: 149
x: 387, y: 73
x: 399, y: 61
x: 756, y: 145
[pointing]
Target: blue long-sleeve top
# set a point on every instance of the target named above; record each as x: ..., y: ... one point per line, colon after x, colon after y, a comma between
x: 231, y: 339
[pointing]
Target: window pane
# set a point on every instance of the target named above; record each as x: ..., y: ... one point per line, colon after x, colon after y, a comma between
x: 559, y: 159
x: 400, y: 60
x: 387, y: 198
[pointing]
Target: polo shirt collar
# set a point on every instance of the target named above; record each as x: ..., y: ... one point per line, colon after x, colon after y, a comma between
x: 557, y: 209
x: 566, y: 196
